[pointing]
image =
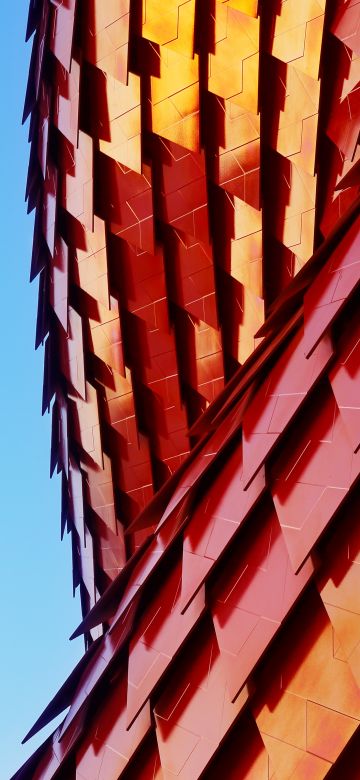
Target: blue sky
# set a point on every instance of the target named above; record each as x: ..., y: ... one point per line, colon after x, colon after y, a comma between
x: 38, y: 612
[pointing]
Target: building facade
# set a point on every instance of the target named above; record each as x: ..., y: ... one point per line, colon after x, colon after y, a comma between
x: 195, y: 178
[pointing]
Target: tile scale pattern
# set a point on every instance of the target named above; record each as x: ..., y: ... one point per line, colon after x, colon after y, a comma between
x: 157, y: 243
x: 193, y: 168
x: 203, y: 664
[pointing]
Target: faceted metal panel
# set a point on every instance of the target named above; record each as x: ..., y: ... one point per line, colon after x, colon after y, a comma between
x: 148, y: 129
x: 238, y: 615
x: 194, y: 171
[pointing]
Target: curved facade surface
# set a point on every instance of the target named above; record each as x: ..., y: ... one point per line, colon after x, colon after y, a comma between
x: 195, y: 175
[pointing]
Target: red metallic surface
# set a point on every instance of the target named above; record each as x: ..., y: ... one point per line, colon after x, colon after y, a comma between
x: 195, y: 174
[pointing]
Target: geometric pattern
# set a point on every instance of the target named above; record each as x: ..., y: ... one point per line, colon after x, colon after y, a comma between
x: 185, y: 164
x: 194, y: 172
x: 237, y: 620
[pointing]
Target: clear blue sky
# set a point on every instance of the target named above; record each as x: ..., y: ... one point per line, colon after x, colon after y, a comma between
x: 38, y: 612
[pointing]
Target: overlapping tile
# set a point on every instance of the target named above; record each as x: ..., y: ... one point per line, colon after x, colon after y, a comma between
x: 185, y: 161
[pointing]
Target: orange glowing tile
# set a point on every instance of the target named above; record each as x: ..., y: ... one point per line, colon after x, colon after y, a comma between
x: 249, y: 7
x: 327, y: 731
x: 124, y: 122
x: 339, y: 586
x: 250, y: 317
x: 169, y: 122
x: 234, y: 66
x: 119, y: 398
x: 106, y: 41
x: 235, y: 163
x: 105, y: 340
x: 160, y: 24
x: 246, y: 262
x: 207, y: 370
x: 238, y: 172
x: 290, y: 761
x: 247, y: 220
x: 171, y: 25
x: 298, y: 34
x: 241, y: 126
x: 310, y: 706
x: 298, y: 142
x: 186, y: 100
x: 298, y: 119
x: 301, y: 191
x: 175, y: 99
x: 176, y: 73
x: 298, y: 234
x: 184, y: 42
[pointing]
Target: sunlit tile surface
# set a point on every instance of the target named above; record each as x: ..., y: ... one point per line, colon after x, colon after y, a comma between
x: 195, y: 174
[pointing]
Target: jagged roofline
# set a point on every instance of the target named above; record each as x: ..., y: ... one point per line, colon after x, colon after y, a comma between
x: 186, y: 579
x: 160, y: 241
